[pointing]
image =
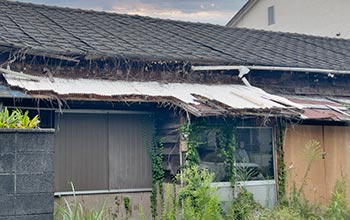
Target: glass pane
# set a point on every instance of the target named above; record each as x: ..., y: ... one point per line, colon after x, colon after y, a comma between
x: 254, y: 154
x: 254, y: 150
x: 271, y: 15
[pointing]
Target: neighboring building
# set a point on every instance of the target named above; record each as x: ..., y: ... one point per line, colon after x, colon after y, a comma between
x: 313, y: 17
x: 110, y: 84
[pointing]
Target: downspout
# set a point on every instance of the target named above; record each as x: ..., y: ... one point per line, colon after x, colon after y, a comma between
x: 242, y: 72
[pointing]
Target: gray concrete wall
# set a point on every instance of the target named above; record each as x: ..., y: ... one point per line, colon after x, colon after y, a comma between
x: 26, y: 174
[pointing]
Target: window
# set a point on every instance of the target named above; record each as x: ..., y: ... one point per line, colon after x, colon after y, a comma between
x: 254, y: 154
x: 271, y: 15
x: 102, y: 151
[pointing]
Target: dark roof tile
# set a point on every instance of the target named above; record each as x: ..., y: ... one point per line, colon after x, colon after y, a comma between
x: 64, y: 30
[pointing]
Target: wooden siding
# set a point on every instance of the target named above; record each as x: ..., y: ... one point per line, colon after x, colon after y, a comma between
x: 335, y: 143
x: 102, y: 151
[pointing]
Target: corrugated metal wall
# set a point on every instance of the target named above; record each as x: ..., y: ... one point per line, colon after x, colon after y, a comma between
x: 102, y: 151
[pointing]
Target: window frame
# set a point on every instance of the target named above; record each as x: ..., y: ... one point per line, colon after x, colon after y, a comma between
x: 271, y: 15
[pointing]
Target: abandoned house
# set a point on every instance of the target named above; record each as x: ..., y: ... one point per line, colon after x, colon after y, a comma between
x: 111, y: 84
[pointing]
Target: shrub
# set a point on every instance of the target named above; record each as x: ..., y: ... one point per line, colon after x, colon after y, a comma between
x: 200, y: 200
x: 243, y: 207
x: 338, y: 207
x: 17, y: 119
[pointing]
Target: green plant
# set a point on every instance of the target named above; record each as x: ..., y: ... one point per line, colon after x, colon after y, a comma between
x: 312, y: 153
x: 187, y: 131
x: 200, y: 199
x: 193, y: 132
x: 243, y: 173
x: 297, y: 201
x: 155, y: 148
x: 244, y: 207
x: 115, y: 215
x: 281, y: 169
x: 339, y: 205
x: 127, y: 207
x: 141, y: 213
x: 75, y: 210
x: 278, y: 213
x: 17, y: 119
x: 157, y: 176
x: 170, y: 207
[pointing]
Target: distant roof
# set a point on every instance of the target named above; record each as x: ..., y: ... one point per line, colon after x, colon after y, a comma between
x: 246, y: 7
x: 40, y: 29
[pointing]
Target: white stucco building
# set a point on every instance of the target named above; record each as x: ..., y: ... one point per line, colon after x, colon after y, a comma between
x: 329, y: 18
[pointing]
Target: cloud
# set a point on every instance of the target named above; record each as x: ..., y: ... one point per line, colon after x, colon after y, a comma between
x: 208, y: 11
x: 205, y: 16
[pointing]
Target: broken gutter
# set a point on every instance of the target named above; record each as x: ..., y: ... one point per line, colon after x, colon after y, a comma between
x: 276, y: 68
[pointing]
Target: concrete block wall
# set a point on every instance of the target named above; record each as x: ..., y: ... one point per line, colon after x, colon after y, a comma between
x: 26, y: 174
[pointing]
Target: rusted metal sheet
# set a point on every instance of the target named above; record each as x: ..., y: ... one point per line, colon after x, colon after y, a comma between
x: 322, y: 108
x: 199, y: 99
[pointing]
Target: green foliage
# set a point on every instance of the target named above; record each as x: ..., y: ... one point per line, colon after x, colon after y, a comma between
x: 127, y: 206
x: 243, y: 173
x: 170, y: 209
x: 279, y: 213
x: 188, y: 131
x: 17, y: 119
x: 281, y: 163
x: 141, y: 213
x: 117, y: 205
x: 297, y: 201
x: 244, y: 207
x: 339, y: 206
x: 312, y: 153
x: 75, y: 211
x: 226, y: 143
x: 157, y: 176
x: 200, y: 200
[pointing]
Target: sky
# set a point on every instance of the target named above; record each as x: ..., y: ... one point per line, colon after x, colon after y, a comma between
x: 207, y: 11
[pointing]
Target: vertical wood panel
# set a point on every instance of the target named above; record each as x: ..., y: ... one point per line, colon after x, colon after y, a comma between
x: 296, y: 138
x: 81, y: 154
x: 130, y: 164
x: 337, y: 144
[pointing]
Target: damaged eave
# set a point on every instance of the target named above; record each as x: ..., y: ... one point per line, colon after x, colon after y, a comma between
x: 198, y: 99
x: 322, y: 109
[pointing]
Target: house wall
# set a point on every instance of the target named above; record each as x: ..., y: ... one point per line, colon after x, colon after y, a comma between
x: 335, y: 144
x: 299, y: 83
x: 114, y: 203
x: 26, y: 174
x: 315, y: 17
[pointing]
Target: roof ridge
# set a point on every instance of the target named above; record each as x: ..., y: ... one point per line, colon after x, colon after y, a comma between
x: 15, y: 2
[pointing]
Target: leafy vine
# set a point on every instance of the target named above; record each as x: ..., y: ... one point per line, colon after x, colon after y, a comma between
x: 226, y: 143
x: 281, y: 163
x: 155, y: 148
x: 157, y: 176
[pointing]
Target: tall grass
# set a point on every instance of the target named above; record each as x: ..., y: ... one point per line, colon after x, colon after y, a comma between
x: 75, y: 210
x: 198, y: 200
